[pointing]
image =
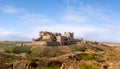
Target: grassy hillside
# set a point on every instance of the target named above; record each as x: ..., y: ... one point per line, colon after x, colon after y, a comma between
x: 76, y: 56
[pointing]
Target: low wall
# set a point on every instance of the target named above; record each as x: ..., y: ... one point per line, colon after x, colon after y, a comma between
x: 40, y: 43
x: 45, y: 43
x: 53, y: 44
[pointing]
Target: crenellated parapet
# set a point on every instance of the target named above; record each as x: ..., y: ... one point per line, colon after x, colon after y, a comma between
x: 46, y: 36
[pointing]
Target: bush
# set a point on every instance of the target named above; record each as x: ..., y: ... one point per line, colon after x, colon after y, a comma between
x: 51, y: 51
x: 86, y: 56
x: 53, y: 65
x: 89, y: 66
x: 44, y: 63
x: 111, y: 54
x: 7, y: 48
x: 39, y: 52
x: 74, y: 48
x: 82, y: 48
x: 21, y: 49
x: 8, y: 58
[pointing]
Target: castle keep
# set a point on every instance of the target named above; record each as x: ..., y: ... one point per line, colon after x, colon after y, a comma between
x: 53, y: 39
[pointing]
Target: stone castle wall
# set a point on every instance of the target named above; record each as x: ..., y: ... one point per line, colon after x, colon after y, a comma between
x: 46, y: 37
x: 53, y: 44
x: 60, y: 40
x: 40, y: 43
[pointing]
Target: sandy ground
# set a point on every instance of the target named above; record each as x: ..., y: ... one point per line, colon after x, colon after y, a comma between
x: 111, y: 44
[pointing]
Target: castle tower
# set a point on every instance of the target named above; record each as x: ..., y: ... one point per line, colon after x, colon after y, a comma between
x: 60, y: 39
x: 41, y: 33
x: 69, y: 35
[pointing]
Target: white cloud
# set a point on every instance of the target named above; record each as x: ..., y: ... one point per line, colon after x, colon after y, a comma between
x: 12, y: 35
x: 87, y: 32
x: 79, y: 17
x: 74, y: 18
x: 10, y: 9
x: 25, y: 19
x: 28, y: 18
x: 102, y: 23
x: 77, y: 11
x: 79, y: 31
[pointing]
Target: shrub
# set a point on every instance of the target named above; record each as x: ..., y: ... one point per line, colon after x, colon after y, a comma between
x: 44, y: 63
x: 82, y: 48
x: 53, y: 65
x: 86, y: 56
x: 8, y: 58
x: 39, y: 52
x: 21, y: 49
x: 89, y: 66
x: 6, y: 47
x: 111, y: 54
x: 74, y: 48
x: 45, y: 52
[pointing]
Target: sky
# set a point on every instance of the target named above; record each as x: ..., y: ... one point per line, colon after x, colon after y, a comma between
x: 96, y: 20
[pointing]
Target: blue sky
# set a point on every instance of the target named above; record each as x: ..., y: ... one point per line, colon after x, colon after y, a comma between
x: 97, y: 20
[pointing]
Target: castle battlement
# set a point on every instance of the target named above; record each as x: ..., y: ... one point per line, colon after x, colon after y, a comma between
x: 54, y: 37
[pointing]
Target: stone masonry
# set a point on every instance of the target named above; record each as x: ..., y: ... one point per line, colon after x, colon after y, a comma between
x: 53, y: 39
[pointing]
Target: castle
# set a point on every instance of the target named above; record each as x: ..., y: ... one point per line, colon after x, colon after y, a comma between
x: 53, y: 39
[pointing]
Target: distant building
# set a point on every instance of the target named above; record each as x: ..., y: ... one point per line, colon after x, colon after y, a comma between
x: 53, y: 39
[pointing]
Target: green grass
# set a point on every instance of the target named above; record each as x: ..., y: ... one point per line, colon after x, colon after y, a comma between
x: 7, y: 48
x: 89, y: 66
x: 47, y: 52
x: 44, y: 64
x: 21, y: 49
x: 112, y: 54
x: 40, y: 52
x: 74, y: 48
x: 4, y: 45
x: 53, y: 65
x: 5, y: 58
x: 86, y: 56
x: 59, y: 52
x: 10, y: 47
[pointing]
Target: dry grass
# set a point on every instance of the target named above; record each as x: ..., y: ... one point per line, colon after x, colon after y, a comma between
x: 111, y: 44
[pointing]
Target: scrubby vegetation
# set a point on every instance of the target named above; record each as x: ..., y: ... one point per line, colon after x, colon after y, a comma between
x: 76, y: 56
x: 14, y: 49
x: 89, y: 66
x: 21, y: 49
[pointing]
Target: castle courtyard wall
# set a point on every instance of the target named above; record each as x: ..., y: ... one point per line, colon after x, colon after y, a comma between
x: 46, y: 39
x: 45, y: 43
x: 53, y: 44
x: 40, y: 43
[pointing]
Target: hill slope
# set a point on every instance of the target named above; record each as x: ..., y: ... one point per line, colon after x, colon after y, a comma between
x: 77, y: 56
